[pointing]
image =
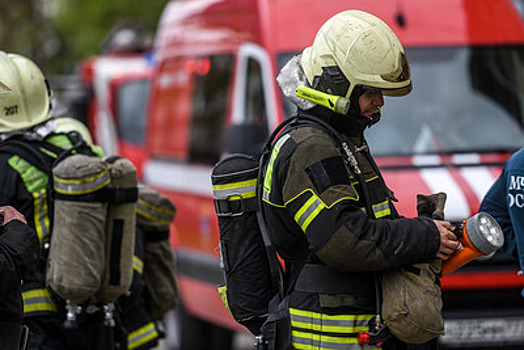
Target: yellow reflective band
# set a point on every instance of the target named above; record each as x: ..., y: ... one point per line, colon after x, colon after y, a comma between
x: 236, y: 190
x: 382, y: 209
x: 142, y: 336
x: 222, y: 290
x: 33, y: 178
x: 151, y: 212
x: 326, y: 317
x: 35, y: 182
x: 268, y: 178
x: 41, y: 217
x: 49, y: 153
x: 322, y: 339
x: 38, y: 307
x: 331, y: 329
x: 309, y: 211
x: 320, y: 342
x: 314, y: 330
x: 37, y: 300
x: 138, y: 265
x: 83, y: 186
x: 61, y: 141
x: 367, y: 180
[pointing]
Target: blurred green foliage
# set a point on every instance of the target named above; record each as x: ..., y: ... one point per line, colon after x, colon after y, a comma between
x: 83, y: 25
x: 57, y: 34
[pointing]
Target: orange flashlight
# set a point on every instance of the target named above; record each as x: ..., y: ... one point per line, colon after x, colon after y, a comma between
x: 479, y: 235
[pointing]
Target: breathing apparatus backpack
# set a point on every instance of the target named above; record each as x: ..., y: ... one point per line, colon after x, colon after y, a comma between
x: 155, y: 213
x: 92, y: 208
x: 92, y: 242
x: 248, y: 262
x: 153, y: 291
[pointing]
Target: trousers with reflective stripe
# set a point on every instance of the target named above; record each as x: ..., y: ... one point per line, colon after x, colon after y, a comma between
x: 314, y: 330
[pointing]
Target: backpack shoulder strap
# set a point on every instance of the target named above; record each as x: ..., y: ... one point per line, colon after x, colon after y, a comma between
x: 279, y: 282
x: 29, y: 151
x: 277, y: 273
x: 42, y: 153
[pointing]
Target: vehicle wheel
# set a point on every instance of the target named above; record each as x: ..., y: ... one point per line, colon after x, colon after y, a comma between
x: 186, y: 332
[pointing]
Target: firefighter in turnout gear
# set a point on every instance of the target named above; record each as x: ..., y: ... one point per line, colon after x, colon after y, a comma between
x: 30, y: 143
x: 19, y: 250
x: 328, y: 210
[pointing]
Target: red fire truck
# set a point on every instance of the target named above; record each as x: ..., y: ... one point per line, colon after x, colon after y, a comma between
x: 118, y: 88
x: 213, y: 92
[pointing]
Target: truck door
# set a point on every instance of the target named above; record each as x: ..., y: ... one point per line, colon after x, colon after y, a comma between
x: 254, y: 108
x: 129, y: 102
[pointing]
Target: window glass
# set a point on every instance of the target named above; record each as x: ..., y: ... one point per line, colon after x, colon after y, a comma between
x: 132, y: 108
x: 211, y: 86
x: 464, y: 99
x: 249, y: 136
x: 255, y: 101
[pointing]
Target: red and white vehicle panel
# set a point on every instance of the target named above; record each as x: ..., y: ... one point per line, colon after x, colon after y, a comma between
x: 213, y: 92
x: 119, y: 87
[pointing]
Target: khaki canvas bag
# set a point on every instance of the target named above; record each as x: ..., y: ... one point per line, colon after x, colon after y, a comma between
x: 412, y: 302
x: 411, y: 295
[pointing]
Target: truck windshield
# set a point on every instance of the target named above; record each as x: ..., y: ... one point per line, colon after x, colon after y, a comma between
x: 464, y: 99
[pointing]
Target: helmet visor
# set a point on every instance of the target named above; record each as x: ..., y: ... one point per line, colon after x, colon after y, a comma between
x: 394, y: 92
x: 395, y: 83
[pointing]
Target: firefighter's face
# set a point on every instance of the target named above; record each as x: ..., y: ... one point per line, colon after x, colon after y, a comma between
x: 370, y: 101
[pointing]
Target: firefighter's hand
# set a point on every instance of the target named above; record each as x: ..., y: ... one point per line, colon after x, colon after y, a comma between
x: 448, y: 240
x: 9, y: 213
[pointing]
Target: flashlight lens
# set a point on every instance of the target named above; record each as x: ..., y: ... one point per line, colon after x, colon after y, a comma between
x: 484, y: 220
x: 485, y: 233
x: 493, y: 237
x: 490, y: 229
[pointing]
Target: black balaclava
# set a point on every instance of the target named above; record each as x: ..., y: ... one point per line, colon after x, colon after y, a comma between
x: 333, y: 81
x: 352, y: 123
x: 356, y: 113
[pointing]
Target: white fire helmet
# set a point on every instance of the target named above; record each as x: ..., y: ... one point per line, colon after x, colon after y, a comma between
x: 67, y: 124
x: 25, y: 103
x: 365, y: 50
